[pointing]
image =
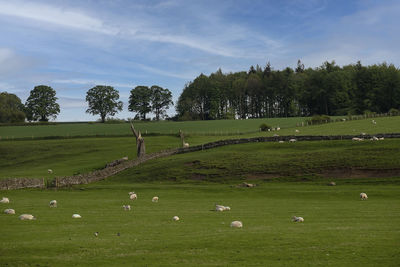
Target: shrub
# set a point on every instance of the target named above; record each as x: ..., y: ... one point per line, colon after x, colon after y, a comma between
x: 319, y: 119
x: 394, y: 112
x: 264, y: 127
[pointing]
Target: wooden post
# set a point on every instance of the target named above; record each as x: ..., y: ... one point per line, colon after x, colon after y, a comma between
x: 140, y: 146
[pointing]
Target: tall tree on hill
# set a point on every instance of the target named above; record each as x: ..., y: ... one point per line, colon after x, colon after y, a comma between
x: 140, y: 100
x: 103, y: 100
x: 11, y: 108
x: 161, y: 99
x: 41, y: 103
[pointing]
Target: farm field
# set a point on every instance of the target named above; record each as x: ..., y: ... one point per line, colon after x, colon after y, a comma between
x: 339, y: 229
x: 292, y: 178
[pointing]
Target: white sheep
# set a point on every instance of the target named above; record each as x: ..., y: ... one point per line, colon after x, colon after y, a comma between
x: 297, y: 219
x: 5, y: 200
x: 382, y: 138
x: 125, y: 158
x: 297, y: 131
x: 27, y: 217
x: 221, y: 208
x: 127, y: 207
x: 9, y: 211
x: 237, y: 224
x: 53, y: 204
x: 132, y: 196
x: 281, y: 142
x: 175, y: 218
x: 275, y: 135
x: 278, y: 128
x: 363, y: 196
x: 357, y: 139
x: 373, y: 122
x: 374, y: 138
x: 292, y: 140
x: 185, y: 145
x: 76, y: 216
x: 49, y: 171
x: 154, y: 199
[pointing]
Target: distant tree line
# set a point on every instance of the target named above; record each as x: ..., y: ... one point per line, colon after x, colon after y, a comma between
x: 266, y: 93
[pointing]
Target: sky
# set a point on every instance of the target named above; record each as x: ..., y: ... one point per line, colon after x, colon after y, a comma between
x: 75, y: 45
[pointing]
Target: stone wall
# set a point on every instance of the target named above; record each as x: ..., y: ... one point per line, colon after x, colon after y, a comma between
x: 17, y: 183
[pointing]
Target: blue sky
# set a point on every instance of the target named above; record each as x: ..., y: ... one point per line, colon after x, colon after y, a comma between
x: 75, y: 45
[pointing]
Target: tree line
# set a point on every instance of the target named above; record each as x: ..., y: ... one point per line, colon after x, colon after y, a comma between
x: 266, y: 93
x: 42, y: 105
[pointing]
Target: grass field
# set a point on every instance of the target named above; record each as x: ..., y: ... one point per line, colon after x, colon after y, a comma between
x: 339, y: 228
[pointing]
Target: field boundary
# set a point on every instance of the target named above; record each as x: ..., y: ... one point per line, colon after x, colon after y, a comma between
x: 19, y: 183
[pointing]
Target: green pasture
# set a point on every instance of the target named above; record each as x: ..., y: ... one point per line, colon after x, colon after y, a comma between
x: 32, y: 158
x: 219, y: 127
x: 339, y: 228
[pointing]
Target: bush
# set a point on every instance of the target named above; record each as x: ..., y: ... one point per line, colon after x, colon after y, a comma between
x: 114, y: 121
x: 264, y: 127
x: 394, y: 112
x: 319, y: 119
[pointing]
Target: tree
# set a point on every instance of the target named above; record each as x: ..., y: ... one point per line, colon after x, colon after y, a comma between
x: 11, y: 108
x: 103, y: 100
x: 161, y: 99
x: 41, y: 104
x: 140, y: 100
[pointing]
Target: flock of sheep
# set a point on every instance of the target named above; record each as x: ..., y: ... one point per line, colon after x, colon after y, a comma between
x: 133, y: 196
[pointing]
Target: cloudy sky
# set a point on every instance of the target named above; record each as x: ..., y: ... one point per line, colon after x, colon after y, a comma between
x: 75, y: 45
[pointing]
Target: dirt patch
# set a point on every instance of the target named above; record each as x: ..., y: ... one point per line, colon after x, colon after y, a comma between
x: 261, y: 176
x: 360, y: 173
x: 198, y: 176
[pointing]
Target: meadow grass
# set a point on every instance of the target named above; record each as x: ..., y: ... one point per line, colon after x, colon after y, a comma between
x: 339, y: 228
x: 33, y: 158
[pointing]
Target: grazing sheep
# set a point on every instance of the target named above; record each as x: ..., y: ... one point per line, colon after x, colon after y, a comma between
x: 76, y: 216
x: 96, y: 234
x: 49, y: 171
x: 127, y: 207
x: 382, y: 138
x: 53, y: 204
x: 278, y: 128
x: 125, y: 158
x: 185, y: 145
x: 373, y: 122
x: 363, y: 196
x: 292, y: 140
x: 297, y: 219
x: 175, y: 218
x: 132, y: 196
x: 9, y: 211
x: 357, y: 139
x: 27, y: 217
x: 332, y: 184
x: 374, y: 138
x: 276, y: 135
x: 154, y: 199
x: 237, y: 224
x: 5, y: 200
x: 281, y: 142
x: 297, y: 131
x: 363, y: 134
x: 221, y: 208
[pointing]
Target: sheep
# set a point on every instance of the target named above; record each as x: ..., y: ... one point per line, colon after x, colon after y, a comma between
x: 382, y: 138
x: 275, y: 135
x: 27, y: 217
x: 332, y: 184
x: 132, y: 196
x: 292, y: 140
x: 297, y: 131
x: 76, y: 216
x: 96, y: 234
x: 297, y: 219
x: 221, y: 208
x: 125, y: 158
x: 237, y: 224
x: 363, y: 134
x: 185, y: 145
x: 281, y: 142
x: 127, y: 207
x: 5, y: 200
x: 175, y: 218
x: 363, y: 196
x: 49, y: 171
x: 53, y: 204
x: 357, y: 139
x: 374, y: 138
x: 374, y: 122
x: 278, y: 128
x: 154, y: 199
x: 9, y: 211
